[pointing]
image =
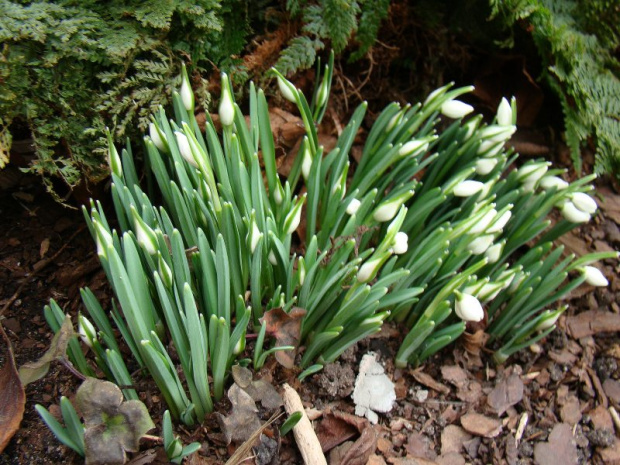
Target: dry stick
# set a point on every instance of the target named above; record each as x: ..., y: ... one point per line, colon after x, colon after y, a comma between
x: 306, y: 439
x: 34, y: 273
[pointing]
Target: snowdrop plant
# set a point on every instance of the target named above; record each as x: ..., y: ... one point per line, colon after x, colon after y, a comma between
x: 427, y: 229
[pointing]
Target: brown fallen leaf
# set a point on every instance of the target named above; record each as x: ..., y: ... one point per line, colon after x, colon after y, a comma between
x: 12, y: 396
x: 360, y: 451
x: 260, y: 390
x: 507, y: 393
x: 592, y: 322
x: 561, y: 447
x: 429, y: 382
x: 243, y: 421
x: 33, y: 371
x: 285, y: 327
x: 481, y: 425
x: 337, y: 427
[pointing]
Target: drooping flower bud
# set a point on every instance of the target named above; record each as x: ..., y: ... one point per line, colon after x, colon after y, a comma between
x: 278, y: 194
x: 584, y: 202
x: 494, y: 252
x: 164, y: 270
x: 467, y: 307
x: 227, y: 109
x: 301, y: 270
x: 114, y: 160
x: 184, y: 149
x: 104, y: 239
x: 467, y: 188
x: 480, y: 244
x: 144, y: 234
x: 187, y: 96
x: 292, y: 220
x: 489, y: 148
x: 287, y: 89
x: 548, y: 319
x: 369, y: 269
x: 353, y: 206
x: 272, y: 258
x: 388, y: 210
x: 401, y: 243
x: 484, y: 222
x: 496, y: 133
x: 412, y: 146
x: 500, y: 222
x: 455, y: 109
x: 323, y: 94
x: 306, y: 163
x: 594, y: 276
x: 254, y: 234
x: 158, y: 138
x: 532, y: 172
x: 86, y: 330
x: 571, y: 213
x: 485, y: 165
x: 549, y: 182
x: 504, y: 113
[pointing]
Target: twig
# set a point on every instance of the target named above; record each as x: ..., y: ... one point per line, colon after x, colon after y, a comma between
x: 36, y: 272
x: 67, y: 364
x: 241, y: 454
x: 306, y: 439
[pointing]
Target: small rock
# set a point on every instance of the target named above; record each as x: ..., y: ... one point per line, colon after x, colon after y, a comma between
x: 571, y: 412
x: 601, y: 437
x: 600, y: 418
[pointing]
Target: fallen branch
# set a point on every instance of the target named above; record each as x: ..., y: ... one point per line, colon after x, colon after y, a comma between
x: 306, y: 439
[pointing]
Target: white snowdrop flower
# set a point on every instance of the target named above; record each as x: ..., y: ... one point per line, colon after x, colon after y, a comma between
x: 584, y: 202
x: 388, y: 210
x: 500, y: 222
x: 433, y: 94
x: 104, y: 239
x: 467, y: 188
x: 394, y: 120
x: 353, y: 206
x: 504, y: 113
x: 494, y: 252
x: 157, y: 138
x: 485, y: 165
x: 292, y: 220
x: 306, y: 163
x: 455, y: 109
x: 480, y: 244
x: 468, y: 308
x: 489, y: 291
x: 227, y: 109
x: 531, y: 173
x: 187, y: 96
x: 517, y: 281
x: 571, y: 213
x: 413, y: 146
x: 323, y: 94
x: 594, y: 276
x: 496, y: 133
x: 287, y: 89
x: 86, y: 330
x: 368, y: 270
x: 549, y: 182
x: 185, y: 149
x: 146, y: 237
x: 548, y: 322
x: 489, y: 148
x: 301, y: 270
x: 401, y: 243
x: 272, y: 258
x: 278, y: 194
x: 484, y: 222
x: 254, y: 235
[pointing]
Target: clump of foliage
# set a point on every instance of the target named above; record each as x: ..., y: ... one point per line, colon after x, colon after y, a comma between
x: 577, y: 41
x: 68, y: 69
x: 338, y: 21
x: 423, y: 230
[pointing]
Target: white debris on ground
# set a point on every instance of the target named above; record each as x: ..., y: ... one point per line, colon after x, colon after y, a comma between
x: 374, y: 392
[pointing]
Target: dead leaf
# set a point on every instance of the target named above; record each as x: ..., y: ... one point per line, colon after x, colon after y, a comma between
x: 374, y: 392
x: 45, y: 246
x: 242, y: 421
x: 455, y: 375
x: 337, y: 427
x: 33, y: 371
x: 506, y: 394
x: 561, y: 447
x: 419, y: 445
x: 481, y: 425
x: 592, y: 322
x: 12, y: 396
x: 452, y: 439
x: 601, y: 418
x: 362, y: 449
x: 112, y: 426
x: 260, y: 390
x: 611, y: 205
x: 429, y: 382
x: 286, y: 328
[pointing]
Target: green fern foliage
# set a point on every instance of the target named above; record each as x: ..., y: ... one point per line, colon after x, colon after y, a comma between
x: 341, y: 22
x: 67, y: 66
x: 577, y: 41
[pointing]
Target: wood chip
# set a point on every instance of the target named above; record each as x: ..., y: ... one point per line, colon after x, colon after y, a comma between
x: 430, y: 382
x: 592, y: 322
x: 452, y: 439
x: 481, y: 425
x: 612, y: 389
x: 561, y: 447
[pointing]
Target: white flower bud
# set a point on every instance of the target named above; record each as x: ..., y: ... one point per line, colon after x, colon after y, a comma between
x: 287, y: 89
x: 468, y: 308
x: 480, y: 244
x: 531, y: 173
x: 401, y: 243
x: 292, y: 220
x: 434, y: 94
x: 86, y: 330
x: 164, y: 271
x: 227, y: 109
x: 413, y: 146
x: 549, y: 182
x: 301, y: 270
x: 394, y: 120
x: 306, y: 163
x: 368, y: 270
x: 504, y: 113
x: 254, y: 235
x: 272, y: 258
x: 549, y: 321
x: 500, y: 222
x: 353, y: 206
x: 456, y: 109
x: 496, y: 133
x: 157, y: 138
x: 386, y: 211
x: 584, y: 202
x: 571, y: 213
x: 467, y: 188
x: 485, y: 165
x: 185, y: 149
x: 323, y: 94
x: 489, y: 148
x: 187, y: 96
x: 494, y: 252
x: 104, y: 239
x: 278, y: 194
x: 484, y: 222
x: 594, y: 276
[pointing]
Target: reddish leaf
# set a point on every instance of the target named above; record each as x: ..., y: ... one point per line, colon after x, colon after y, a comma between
x: 286, y: 328
x: 12, y: 396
